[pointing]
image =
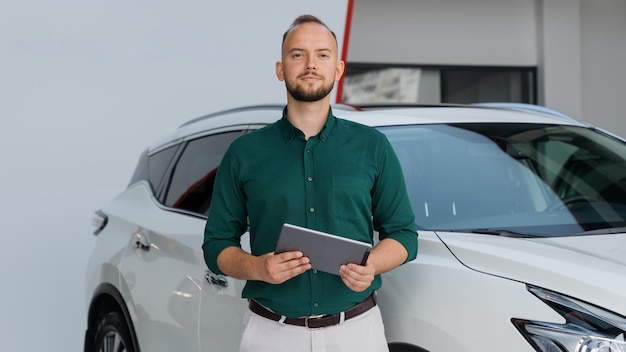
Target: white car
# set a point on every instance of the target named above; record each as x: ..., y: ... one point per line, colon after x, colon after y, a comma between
x: 521, y: 216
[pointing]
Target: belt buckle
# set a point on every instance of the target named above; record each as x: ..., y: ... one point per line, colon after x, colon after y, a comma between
x: 315, y: 316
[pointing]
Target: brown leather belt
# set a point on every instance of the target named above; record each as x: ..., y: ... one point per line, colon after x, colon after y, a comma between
x: 316, y: 321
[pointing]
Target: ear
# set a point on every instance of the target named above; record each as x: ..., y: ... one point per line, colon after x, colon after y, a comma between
x: 341, y: 66
x: 279, y: 71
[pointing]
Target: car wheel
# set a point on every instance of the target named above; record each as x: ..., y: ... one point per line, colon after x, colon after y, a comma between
x: 113, y: 335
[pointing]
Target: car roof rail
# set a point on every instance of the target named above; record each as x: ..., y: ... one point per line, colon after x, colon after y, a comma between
x: 382, y: 106
x: 343, y: 107
x: 528, y: 107
x: 233, y: 110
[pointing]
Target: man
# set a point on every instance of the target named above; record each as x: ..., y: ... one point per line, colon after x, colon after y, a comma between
x: 314, y: 170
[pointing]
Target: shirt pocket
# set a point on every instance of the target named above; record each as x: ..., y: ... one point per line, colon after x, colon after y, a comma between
x: 351, y: 198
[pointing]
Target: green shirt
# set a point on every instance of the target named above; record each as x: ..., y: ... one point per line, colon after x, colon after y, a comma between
x: 346, y: 181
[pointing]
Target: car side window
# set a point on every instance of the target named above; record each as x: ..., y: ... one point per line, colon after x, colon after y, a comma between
x: 158, y: 164
x: 193, y: 177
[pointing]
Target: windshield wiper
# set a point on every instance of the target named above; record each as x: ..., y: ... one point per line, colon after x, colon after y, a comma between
x: 500, y: 232
x: 606, y: 231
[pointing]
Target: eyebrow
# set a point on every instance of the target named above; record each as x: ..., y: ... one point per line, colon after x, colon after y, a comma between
x: 316, y: 50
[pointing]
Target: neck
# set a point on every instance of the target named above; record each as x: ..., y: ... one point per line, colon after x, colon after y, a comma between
x: 308, y: 117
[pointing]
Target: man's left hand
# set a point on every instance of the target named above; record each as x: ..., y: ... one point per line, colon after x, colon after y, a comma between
x: 357, y: 277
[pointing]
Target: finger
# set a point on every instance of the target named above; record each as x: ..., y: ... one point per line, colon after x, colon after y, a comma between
x: 354, y: 285
x: 285, y: 273
x: 290, y: 260
x: 352, y: 278
x: 282, y: 267
x: 357, y: 272
x: 287, y: 256
x: 349, y: 276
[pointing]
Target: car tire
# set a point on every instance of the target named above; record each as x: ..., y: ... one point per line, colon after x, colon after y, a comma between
x: 113, y: 335
x: 404, y: 347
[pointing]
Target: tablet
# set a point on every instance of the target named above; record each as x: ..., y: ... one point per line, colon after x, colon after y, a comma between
x: 327, y: 252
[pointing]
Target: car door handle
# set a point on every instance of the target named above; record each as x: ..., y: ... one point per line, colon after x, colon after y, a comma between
x: 215, y: 279
x: 140, y: 241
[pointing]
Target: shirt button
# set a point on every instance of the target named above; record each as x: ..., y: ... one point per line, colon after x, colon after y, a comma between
x: 308, y: 150
x: 316, y: 304
x: 309, y: 178
x: 314, y: 271
x: 311, y: 209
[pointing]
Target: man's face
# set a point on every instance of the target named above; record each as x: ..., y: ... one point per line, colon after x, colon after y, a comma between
x: 310, y: 66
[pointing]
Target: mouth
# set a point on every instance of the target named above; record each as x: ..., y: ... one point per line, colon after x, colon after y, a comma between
x: 310, y: 77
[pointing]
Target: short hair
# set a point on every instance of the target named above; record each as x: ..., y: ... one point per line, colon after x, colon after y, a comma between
x: 306, y: 19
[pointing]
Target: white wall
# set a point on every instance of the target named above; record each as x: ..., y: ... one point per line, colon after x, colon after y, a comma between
x: 84, y: 87
x: 559, y: 48
x: 444, y: 32
x: 604, y: 63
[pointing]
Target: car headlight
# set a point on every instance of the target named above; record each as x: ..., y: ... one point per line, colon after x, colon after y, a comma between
x: 587, y: 328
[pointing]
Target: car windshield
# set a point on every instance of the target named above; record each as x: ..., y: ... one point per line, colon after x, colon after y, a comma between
x: 513, y: 179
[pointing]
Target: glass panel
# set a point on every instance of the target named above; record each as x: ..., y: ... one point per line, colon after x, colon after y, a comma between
x: 158, y: 164
x: 192, y: 183
x: 528, y: 178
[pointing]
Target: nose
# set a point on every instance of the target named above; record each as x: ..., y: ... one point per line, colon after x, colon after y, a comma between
x: 311, y: 64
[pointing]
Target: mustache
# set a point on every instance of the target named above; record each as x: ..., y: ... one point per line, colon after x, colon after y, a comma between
x: 311, y: 73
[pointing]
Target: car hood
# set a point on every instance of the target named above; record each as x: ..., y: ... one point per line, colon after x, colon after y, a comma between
x: 590, y: 268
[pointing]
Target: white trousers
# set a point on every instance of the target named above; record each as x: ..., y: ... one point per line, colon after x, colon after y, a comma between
x: 363, y: 333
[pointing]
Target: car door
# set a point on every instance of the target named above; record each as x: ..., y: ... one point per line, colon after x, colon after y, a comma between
x: 221, y: 313
x: 164, y: 263
x: 190, y: 191
x: 161, y: 269
x: 222, y: 307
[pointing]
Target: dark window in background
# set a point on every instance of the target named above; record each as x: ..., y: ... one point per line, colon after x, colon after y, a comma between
x: 478, y: 85
x: 192, y: 182
x: 380, y: 83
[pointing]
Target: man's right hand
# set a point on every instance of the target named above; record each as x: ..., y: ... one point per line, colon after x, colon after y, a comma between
x: 281, y: 267
x: 272, y: 268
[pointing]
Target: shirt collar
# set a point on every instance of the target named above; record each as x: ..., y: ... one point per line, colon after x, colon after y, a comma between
x: 289, y: 132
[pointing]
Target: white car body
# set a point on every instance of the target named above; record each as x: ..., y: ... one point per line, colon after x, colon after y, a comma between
x: 460, y: 293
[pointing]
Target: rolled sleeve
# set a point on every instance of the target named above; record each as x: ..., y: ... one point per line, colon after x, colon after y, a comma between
x: 408, y: 239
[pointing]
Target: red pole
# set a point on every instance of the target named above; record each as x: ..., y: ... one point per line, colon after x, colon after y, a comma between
x: 344, y: 49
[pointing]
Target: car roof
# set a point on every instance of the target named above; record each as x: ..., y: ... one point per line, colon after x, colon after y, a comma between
x: 376, y: 116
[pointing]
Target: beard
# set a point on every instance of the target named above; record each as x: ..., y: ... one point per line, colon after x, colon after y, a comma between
x: 299, y: 93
